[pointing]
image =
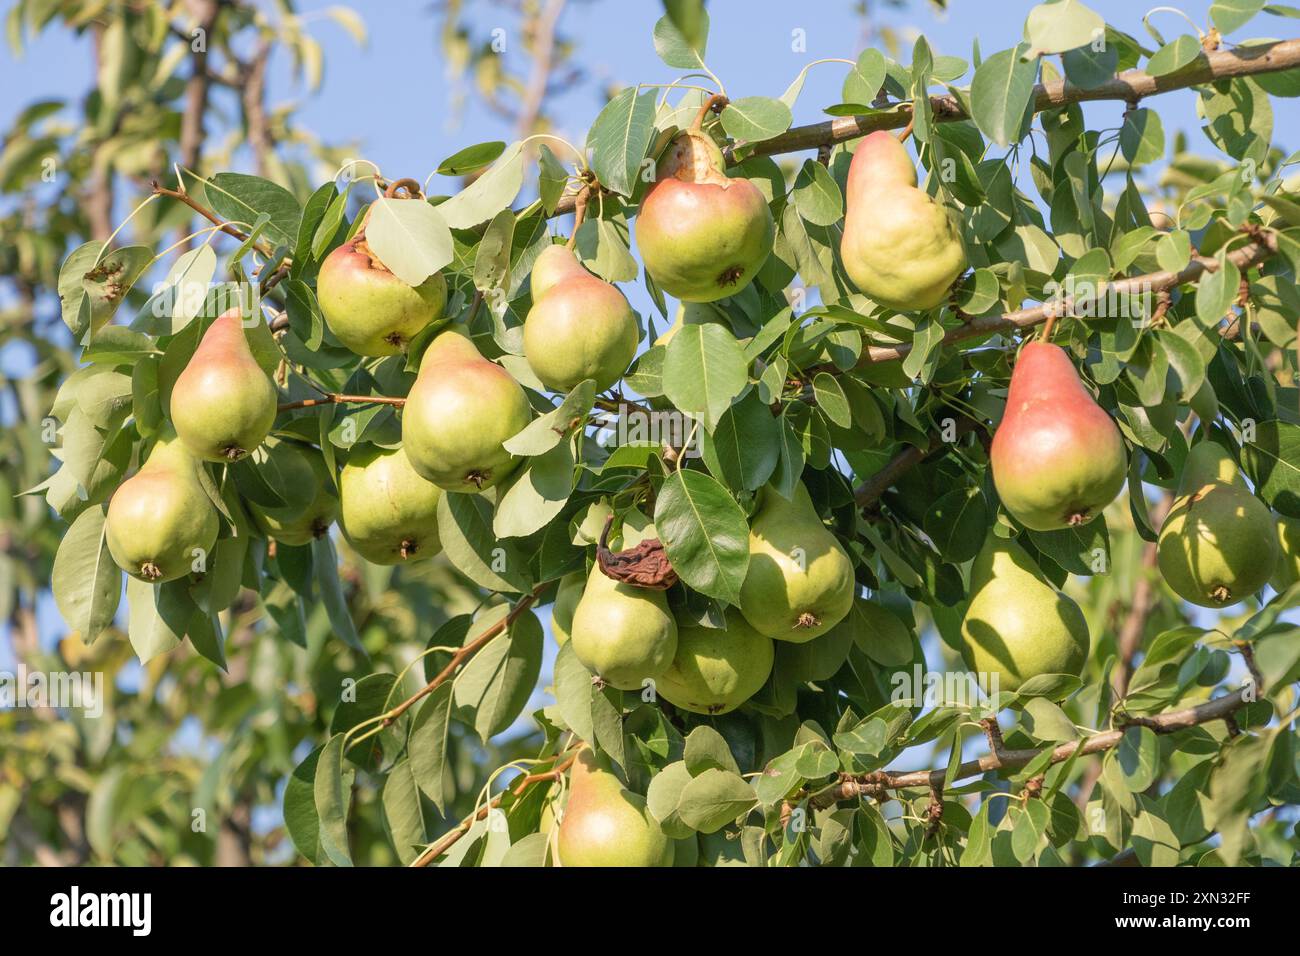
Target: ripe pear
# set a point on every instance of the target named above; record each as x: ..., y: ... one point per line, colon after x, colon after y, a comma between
x: 223, y: 404
x: 1218, y: 544
x: 579, y: 327
x: 1287, y: 572
x: 1017, y: 625
x: 387, y: 511
x: 715, y: 670
x: 605, y: 824
x: 160, y: 520
x: 567, y: 596
x: 899, y: 246
x: 459, y: 411
x: 800, y: 580
x: 702, y: 234
x: 623, y: 634
x: 315, y: 504
x: 370, y: 310
x: 1057, y: 457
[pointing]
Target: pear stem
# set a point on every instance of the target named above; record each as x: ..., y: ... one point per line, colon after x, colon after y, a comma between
x: 1048, y: 325
x: 410, y: 186
x: 715, y: 103
x: 907, y: 131
x: 579, y: 213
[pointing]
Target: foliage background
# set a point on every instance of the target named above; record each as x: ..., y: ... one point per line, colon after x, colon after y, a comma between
x: 404, y: 84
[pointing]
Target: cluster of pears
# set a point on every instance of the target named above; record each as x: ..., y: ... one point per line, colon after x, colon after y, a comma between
x: 161, y: 523
x: 1219, y: 543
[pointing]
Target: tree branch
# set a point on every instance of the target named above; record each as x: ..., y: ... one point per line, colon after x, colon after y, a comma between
x: 879, y: 782
x: 334, y: 399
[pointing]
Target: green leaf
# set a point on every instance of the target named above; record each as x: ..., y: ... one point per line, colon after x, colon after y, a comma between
x: 86, y: 582
x: 816, y: 194
x: 241, y: 198
x: 690, y: 20
x: 704, y: 533
x: 403, y: 812
x: 620, y: 137
x: 428, y: 744
x: 704, y: 369
x: 705, y: 748
x: 678, y: 49
x: 1172, y: 57
x: 1046, y: 721
x: 471, y: 158
x: 1230, y: 15
x: 332, y: 790
x: 486, y: 196
x: 744, y: 449
x: 494, y: 686
x: 465, y: 527
x: 535, y: 494
x: 1138, y: 758
x: 325, y: 562
x: 409, y: 237
x: 299, y: 808
x: 831, y: 399
x: 753, y: 119
x: 1062, y: 25
x: 1142, y: 137
x: 1001, y: 95
x: 713, y: 799
x: 1087, y: 68
x: 158, y: 617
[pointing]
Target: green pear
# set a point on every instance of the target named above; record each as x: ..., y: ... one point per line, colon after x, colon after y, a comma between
x: 459, y: 411
x: 715, y: 670
x: 370, y: 310
x: 1219, y: 543
x: 899, y: 245
x: 605, y: 824
x: 579, y: 327
x: 1288, y: 565
x: 567, y: 596
x: 702, y: 234
x: 301, y: 469
x: 161, y: 524
x: 1057, y: 457
x: 623, y: 634
x: 1017, y: 625
x: 223, y: 404
x: 388, y: 513
x: 800, y: 580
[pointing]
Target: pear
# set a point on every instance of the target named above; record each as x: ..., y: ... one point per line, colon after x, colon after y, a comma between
x: 567, y: 596
x: 160, y: 520
x: 715, y: 670
x: 1218, y: 544
x: 1017, y: 625
x: 702, y: 234
x: 606, y: 824
x: 579, y: 327
x: 800, y: 580
x: 623, y: 634
x: 389, y: 513
x: 1057, y: 457
x: 1287, y: 572
x: 315, y: 505
x: 899, y: 245
x: 223, y: 404
x: 370, y: 310
x: 459, y: 411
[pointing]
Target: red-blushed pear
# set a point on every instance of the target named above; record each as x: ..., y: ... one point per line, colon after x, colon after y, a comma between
x: 605, y: 824
x: 161, y: 524
x: 370, y: 310
x: 579, y: 327
x: 389, y: 513
x: 1219, y: 543
x: 458, y: 413
x: 1057, y: 457
x: 1017, y: 625
x: 702, y: 234
x: 900, y: 246
x: 223, y: 404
